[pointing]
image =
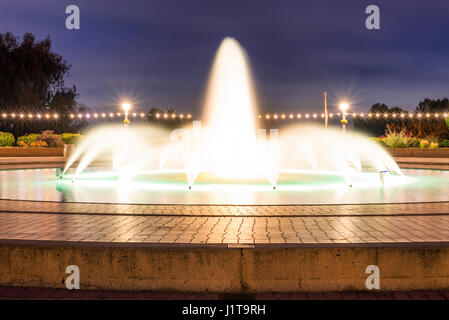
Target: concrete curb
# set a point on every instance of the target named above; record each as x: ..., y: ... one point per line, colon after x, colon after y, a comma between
x: 276, y: 269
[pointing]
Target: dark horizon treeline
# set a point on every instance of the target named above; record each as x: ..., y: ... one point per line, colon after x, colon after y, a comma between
x: 419, y: 127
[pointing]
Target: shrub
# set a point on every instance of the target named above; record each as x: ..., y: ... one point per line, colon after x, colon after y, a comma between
x: 25, y: 141
x: 424, y: 144
x: 431, y: 139
x: 378, y: 140
x: 400, y: 139
x: 38, y: 144
x: 433, y: 145
x: 444, y: 144
x: 22, y: 144
x: 6, y: 139
x: 51, y: 139
x: 71, y: 138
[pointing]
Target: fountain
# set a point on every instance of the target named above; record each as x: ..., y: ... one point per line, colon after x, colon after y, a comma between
x: 226, y: 152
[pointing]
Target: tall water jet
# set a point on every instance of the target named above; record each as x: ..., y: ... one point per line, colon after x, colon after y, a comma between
x: 230, y: 107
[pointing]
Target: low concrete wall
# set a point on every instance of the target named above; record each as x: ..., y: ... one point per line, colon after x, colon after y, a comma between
x: 282, y: 269
x: 31, y: 152
x: 418, y: 152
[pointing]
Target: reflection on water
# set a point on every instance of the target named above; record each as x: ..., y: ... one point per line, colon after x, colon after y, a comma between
x: 99, y: 186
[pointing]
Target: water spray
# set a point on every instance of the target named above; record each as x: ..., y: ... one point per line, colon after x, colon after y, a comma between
x: 59, y: 172
x: 382, y: 175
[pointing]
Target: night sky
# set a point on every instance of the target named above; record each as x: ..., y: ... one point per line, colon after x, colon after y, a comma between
x: 158, y: 53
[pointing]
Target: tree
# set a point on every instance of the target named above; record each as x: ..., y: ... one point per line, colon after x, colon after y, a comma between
x: 379, y: 108
x: 164, y: 118
x: 32, y: 81
x: 423, y: 127
x: 377, y: 125
x: 431, y: 127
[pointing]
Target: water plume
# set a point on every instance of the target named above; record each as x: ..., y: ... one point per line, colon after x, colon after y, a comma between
x: 226, y: 147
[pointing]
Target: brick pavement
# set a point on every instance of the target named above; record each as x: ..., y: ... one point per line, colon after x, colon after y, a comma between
x: 325, y: 226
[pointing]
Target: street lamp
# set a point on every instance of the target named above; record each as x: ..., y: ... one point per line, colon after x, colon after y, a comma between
x: 126, y: 107
x: 344, y: 106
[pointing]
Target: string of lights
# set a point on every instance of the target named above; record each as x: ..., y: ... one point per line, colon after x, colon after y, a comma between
x: 362, y: 115
x: 104, y: 115
x: 268, y: 116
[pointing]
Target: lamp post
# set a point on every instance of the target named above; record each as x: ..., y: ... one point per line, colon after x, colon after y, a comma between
x: 126, y: 106
x: 344, y: 107
x: 325, y: 110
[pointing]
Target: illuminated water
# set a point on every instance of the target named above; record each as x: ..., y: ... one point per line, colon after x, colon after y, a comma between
x: 103, y: 186
x: 228, y: 147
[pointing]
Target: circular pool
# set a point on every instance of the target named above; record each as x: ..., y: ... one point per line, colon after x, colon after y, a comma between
x: 293, y: 188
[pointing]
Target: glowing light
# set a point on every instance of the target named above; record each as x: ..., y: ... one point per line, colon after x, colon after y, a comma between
x: 344, y: 106
x: 126, y: 106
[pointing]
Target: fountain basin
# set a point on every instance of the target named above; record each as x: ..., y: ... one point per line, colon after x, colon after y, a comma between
x: 170, y: 187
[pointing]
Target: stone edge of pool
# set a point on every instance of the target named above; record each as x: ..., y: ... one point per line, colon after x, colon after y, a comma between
x: 190, y: 269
